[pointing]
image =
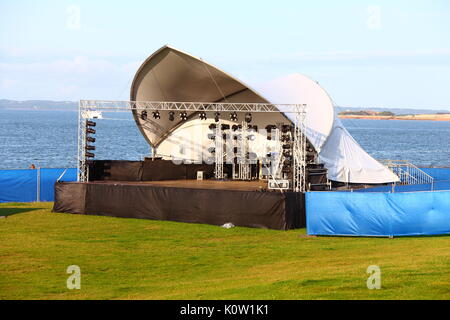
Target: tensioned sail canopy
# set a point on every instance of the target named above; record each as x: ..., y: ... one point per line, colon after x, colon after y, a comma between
x: 172, y: 75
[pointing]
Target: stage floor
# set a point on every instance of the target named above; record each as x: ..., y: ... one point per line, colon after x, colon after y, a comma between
x: 254, y: 185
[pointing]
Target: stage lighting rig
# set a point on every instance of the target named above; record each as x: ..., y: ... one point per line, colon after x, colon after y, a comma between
x: 234, y: 117
x: 183, y: 116
x: 89, y: 130
x: 217, y: 116
x: 171, y: 116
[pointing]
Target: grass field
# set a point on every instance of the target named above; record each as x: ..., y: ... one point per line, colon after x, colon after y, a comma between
x: 144, y: 259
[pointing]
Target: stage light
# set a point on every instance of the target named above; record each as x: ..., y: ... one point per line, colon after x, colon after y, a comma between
x: 248, y: 117
x: 171, y: 116
x: 144, y: 115
x: 212, y: 126
x: 235, y: 149
x: 234, y: 127
x: 183, y: 116
x: 89, y: 155
x: 285, y: 138
x: 89, y: 125
x: 285, y: 128
x: 287, y: 153
x: 211, y: 136
x: 202, y: 115
x: 225, y: 126
x: 234, y: 117
x: 156, y: 115
x: 88, y: 147
x: 286, y: 146
x: 90, y: 139
x: 225, y: 136
x: 217, y: 116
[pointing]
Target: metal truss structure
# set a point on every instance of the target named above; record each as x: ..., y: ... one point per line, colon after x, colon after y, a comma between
x: 218, y: 147
x: 87, y: 108
x: 299, y: 150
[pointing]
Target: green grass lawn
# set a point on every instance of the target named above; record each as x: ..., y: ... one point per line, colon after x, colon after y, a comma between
x: 145, y: 259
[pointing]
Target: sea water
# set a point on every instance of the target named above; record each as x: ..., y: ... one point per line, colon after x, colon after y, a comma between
x: 49, y: 139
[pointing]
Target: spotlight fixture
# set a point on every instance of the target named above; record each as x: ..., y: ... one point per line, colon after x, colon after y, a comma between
x: 144, y: 115
x: 217, y: 116
x: 89, y: 155
x: 285, y: 128
x: 171, y: 116
x: 156, y: 115
x: 211, y: 136
x: 248, y: 117
x: 202, y: 115
x: 212, y: 126
x: 234, y: 127
x: 234, y: 117
x: 90, y: 139
x: 183, y: 116
x: 88, y: 147
x: 225, y: 126
x: 89, y: 125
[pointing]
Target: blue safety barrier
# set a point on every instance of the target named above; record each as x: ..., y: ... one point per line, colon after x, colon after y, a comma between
x: 30, y: 185
x: 437, y: 173
x: 378, y: 214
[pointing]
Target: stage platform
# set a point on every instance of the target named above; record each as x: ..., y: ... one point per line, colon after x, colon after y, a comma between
x: 243, y: 203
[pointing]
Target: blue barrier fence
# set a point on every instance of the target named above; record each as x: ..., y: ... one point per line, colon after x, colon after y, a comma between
x: 378, y: 214
x: 31, y: 185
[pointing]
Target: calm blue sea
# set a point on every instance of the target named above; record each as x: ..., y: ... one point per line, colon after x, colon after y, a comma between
x: 49, y: 139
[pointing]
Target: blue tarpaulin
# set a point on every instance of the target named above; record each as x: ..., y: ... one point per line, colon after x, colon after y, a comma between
x: 22, y: 185
x: 378, y: 214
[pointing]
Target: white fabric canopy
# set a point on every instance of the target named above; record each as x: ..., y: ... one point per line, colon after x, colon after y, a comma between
x: 344, y: 158
x: 172, y: 75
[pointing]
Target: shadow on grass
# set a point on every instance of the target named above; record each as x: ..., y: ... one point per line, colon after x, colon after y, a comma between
x: 4, y: 212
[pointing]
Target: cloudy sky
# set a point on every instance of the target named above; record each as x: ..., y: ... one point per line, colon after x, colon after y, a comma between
x: 364, y: 53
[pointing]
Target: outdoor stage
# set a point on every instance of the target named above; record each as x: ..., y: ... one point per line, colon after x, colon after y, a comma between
x: 243, y: 203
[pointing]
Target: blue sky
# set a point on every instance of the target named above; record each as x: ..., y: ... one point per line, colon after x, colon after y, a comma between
x: 364, y: 53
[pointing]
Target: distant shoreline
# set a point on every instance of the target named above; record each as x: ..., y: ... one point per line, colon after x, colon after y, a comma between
x: 417, y: 117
